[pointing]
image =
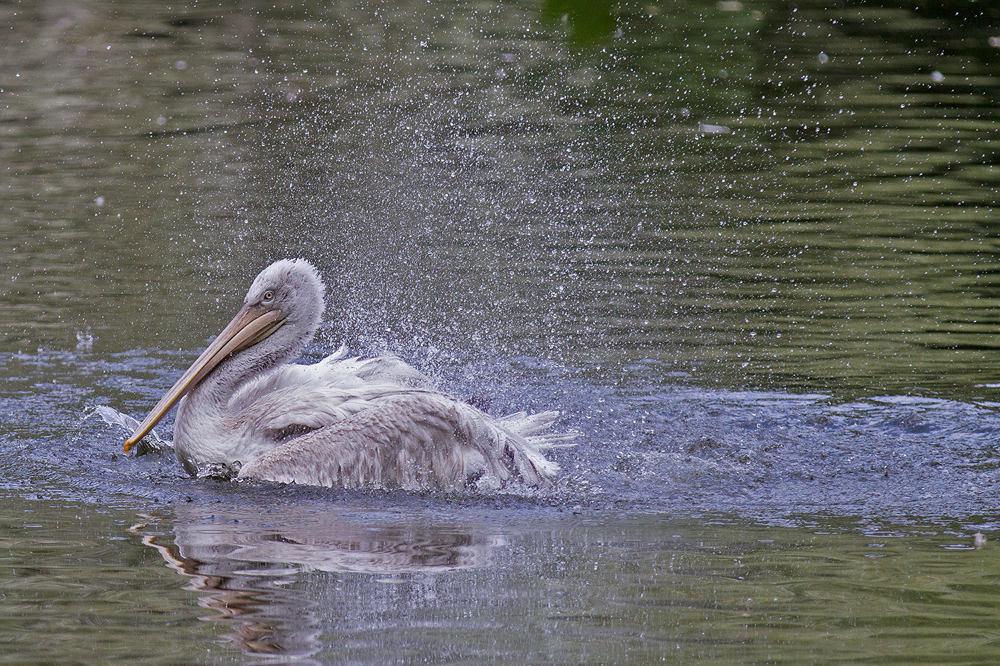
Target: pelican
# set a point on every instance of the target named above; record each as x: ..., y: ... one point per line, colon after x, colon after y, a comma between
x: 349, y: 422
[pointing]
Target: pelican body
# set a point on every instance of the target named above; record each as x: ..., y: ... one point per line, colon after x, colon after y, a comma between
x: 242, y: 407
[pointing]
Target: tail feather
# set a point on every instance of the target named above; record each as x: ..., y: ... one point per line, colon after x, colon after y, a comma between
x: 532, y: 428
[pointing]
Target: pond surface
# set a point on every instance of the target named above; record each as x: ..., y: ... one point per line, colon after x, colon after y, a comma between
x: 749, y: 249
x: 228, y: 578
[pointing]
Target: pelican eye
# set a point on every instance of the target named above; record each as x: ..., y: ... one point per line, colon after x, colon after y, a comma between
x: 268, y: 297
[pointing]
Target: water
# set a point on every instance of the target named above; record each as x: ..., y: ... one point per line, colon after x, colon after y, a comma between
x: 229, y: 578
x: 747, y: 248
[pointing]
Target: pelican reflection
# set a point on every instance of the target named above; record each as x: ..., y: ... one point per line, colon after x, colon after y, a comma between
x: 246, y: 563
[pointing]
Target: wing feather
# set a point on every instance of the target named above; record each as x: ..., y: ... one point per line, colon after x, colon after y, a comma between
x: 415, y: 441
x: 335, y: 372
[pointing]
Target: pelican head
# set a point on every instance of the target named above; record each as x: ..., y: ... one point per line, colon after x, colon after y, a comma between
x: 280, y: 315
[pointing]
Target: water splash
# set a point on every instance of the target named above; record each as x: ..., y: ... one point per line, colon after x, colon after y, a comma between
x: 85, y: 340
x: 152, y: 443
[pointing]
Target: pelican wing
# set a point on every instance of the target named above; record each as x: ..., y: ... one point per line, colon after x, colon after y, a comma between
x: 334, y: 373
x: 294, y: 410
x: 381, y: 370
x: 416, y: 441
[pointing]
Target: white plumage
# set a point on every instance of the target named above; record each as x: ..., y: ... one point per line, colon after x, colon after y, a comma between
x: 349, y: 422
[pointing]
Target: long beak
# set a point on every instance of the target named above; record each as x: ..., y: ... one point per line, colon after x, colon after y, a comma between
x: 251, y: 324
